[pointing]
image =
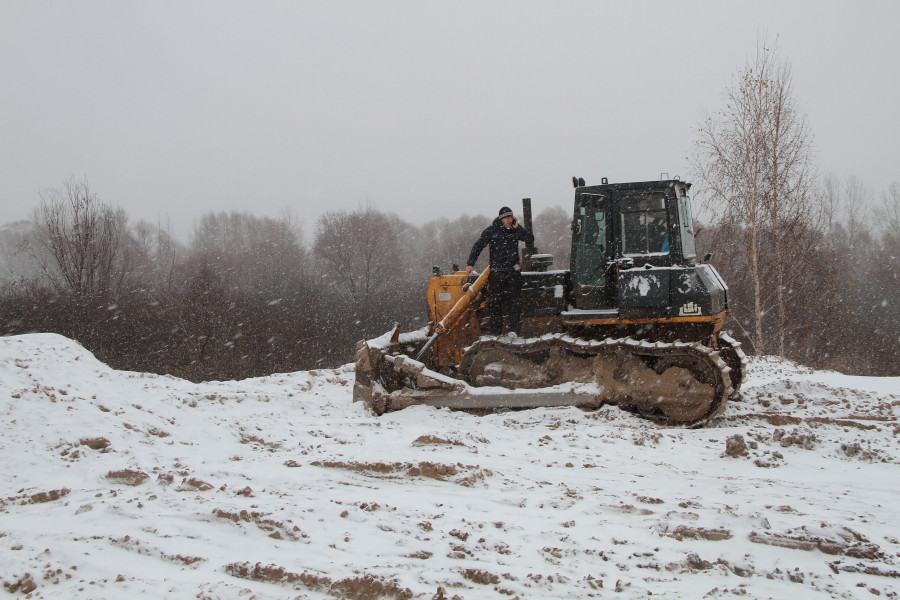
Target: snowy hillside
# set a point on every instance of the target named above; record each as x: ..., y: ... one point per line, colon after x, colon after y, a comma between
x: 120, y: 485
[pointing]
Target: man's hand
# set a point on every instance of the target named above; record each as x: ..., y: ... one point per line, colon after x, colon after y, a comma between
x: 515, y: 223
x: 469, y: 269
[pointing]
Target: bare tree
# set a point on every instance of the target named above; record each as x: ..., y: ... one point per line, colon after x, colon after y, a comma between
x: 830, y: 194
x: 359, y: 251
x: 369, y: 266
x: 79, y: 240
x: 553, y: 234
x: 888, y: 213
x: 857, y: 201
x: 258, y: 255
x: 15, y: 263
x: 157, y: 255
x: 754, y: 159
x: 447, y: 243
x: 790, y: 207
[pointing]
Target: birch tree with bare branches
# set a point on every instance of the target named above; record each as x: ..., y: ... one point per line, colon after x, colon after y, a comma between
x: 754, y: 159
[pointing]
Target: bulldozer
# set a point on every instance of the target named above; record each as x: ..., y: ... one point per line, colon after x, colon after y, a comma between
x: 635, y: 321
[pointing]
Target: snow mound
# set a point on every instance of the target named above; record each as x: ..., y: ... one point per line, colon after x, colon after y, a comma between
x: 124, y: 484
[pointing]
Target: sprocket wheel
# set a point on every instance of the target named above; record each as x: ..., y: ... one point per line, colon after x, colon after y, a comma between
x: 694, y: 389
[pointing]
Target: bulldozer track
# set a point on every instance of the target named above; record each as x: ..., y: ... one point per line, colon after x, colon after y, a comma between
x: 671, y: 382
x: 734, y: 357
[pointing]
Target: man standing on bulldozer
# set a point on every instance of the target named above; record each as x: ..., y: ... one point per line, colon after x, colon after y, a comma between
x: 505, y: 280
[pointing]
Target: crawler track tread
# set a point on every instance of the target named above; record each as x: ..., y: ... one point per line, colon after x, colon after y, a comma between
x: 695, y: 355
x: 676, y: 383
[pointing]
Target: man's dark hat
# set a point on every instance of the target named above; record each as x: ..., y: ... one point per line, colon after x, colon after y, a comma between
x: 506, y: 212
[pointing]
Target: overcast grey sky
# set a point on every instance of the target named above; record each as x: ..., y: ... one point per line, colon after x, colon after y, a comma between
x: 426, y: 109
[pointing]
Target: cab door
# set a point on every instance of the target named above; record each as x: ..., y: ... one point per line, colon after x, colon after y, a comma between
x: 593, y: 277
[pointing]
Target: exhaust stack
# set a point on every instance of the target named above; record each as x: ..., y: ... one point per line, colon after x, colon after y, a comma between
x: 531, y: 260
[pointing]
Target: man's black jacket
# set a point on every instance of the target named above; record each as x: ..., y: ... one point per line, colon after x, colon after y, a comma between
x: 504, y: 245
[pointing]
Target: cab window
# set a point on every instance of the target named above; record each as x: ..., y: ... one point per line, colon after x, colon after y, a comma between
x: 644, y: 225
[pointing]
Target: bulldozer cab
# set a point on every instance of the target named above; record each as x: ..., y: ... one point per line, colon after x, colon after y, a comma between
x: 620, y: 230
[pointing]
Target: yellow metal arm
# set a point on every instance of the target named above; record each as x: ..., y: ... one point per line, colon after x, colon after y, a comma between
x: 453, y: 317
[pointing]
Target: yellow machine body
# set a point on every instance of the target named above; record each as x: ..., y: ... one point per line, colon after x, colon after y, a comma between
x: 444, y: 293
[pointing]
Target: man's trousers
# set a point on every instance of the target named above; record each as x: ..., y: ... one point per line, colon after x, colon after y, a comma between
x: 505, y: 299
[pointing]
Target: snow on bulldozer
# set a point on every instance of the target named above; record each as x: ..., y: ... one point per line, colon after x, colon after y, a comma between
x: 636, y: 321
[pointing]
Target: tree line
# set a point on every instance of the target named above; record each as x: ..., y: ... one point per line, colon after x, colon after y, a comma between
x: 834, y: 304
x: 247, y: 296
x: 811, y: 262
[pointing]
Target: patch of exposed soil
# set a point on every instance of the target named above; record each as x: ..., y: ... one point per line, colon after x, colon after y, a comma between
x: 837, y: 567
x: 365, y: 587
x: 276, y: 574
x: 369, y: 587
x: 194, y: 485
x: 735, y: 446
x: 37, y: 498
x: 275, y: 529
x: 683, y: 532
x: 50, y: 496
x: 253, y: 439
x: 798, y: 437
x: 433, y: 440
x: 480, y: 576
x: 780, y: 420
x: 465, y: 475
x: 95, y: 443
x: 127, y: 477
x: 692, y: 563
x: 21, y: 585
x: 845, y: 541
x: 134, y: 545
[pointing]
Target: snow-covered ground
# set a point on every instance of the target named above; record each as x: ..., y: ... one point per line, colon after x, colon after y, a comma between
x: 118, y: 484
